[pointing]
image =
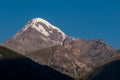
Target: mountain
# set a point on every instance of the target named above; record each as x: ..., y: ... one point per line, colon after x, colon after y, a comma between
x: 36, y: 34
x: 62, y: 60
x: 14, y: 66
x: 109, y: 71
x: 72, y: 62
x: 48, y: 45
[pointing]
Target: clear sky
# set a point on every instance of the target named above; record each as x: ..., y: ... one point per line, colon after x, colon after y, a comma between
x: 89, y: 19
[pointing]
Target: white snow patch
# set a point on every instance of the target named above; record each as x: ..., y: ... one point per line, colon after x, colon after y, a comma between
x: 50, y: 31
x: 41, y: 28
x: 41, y: 20
x: 49, y: 25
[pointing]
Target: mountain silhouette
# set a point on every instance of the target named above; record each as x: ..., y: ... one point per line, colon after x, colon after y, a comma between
x: 108, y: 71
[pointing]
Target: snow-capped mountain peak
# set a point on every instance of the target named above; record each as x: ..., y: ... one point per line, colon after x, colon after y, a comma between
x: 36, y: 34
x: 44, y: 27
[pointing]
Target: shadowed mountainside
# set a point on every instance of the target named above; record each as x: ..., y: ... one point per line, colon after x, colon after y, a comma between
x: 14, y: 66
x: 109, y: 71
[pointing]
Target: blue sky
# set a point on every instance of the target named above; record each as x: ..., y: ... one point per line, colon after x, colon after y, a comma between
x: 89, y: 19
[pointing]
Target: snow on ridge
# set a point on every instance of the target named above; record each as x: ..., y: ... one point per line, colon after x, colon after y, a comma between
x: 49, y: 25
x: 40, y: 28
x: 41, y: 20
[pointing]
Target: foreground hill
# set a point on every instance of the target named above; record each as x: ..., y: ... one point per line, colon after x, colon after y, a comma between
x: 109, y: 71
x: 14, y: 66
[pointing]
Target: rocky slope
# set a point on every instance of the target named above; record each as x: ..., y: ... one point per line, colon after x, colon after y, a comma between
x: 36, y: 34
x: 92, y: 52
x: 62, y: 60
x: 14, y: 66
